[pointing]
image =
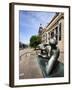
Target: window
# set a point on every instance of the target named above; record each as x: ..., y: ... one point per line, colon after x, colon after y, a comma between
x: 52, y: 34
x: 46, y: 37
x: 60, y: 31
x: 56, y: 33
x: 49, y: 36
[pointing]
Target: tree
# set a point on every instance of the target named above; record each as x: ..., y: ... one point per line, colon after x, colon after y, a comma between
x: 34, y: 41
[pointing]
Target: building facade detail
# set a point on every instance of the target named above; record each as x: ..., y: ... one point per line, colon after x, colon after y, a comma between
x: 55, y: 28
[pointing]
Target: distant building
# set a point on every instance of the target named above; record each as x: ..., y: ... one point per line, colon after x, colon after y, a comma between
x: 56, y: 28
x: 40, y: 29
x: 22, y: 45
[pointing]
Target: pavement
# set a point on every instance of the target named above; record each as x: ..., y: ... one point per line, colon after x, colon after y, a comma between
x: 28, y: 66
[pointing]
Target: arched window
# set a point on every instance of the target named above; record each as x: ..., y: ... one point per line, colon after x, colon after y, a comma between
x: 52, y: 34
x: 56, y: 33
x: 49, y: 36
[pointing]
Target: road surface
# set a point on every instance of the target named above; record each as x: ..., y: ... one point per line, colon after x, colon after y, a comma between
x: 28, y: 66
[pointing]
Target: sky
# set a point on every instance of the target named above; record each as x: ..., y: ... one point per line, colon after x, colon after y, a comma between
x: 29, y: 22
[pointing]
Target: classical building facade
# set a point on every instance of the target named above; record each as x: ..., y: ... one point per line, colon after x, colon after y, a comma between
x: 56, y: 28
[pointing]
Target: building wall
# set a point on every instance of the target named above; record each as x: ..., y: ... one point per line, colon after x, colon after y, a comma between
x: 46, y: 35
x: 61, y: 42
x: 53, y: 27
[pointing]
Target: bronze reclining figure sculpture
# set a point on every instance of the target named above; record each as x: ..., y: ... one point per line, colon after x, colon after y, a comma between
x: 52, y: 59
x: 54, y: 55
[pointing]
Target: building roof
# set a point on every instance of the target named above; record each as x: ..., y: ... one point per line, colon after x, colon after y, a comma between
x: 53, y: 19
x: 56, y: 15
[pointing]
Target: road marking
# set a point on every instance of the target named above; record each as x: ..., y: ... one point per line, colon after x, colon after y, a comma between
x: 21, y: 74
x: 28, y: 54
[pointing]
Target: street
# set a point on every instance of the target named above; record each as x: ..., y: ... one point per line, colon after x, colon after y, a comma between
x: 29, y: 67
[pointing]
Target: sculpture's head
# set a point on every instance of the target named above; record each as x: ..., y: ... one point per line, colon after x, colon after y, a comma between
x: 53, y: 42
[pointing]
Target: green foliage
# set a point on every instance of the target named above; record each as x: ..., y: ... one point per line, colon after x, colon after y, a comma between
x: 34, y: 41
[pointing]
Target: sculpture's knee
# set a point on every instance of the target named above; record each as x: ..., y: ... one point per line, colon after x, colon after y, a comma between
x: 52, y: 60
